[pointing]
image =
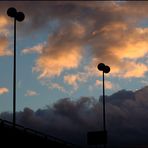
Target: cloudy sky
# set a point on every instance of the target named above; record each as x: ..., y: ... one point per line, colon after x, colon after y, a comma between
x: 59, y: 45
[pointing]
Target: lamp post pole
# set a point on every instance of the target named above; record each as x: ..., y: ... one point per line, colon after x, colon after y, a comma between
x: 104, y: 119
x: 14, y: 76
x: 18, y: 16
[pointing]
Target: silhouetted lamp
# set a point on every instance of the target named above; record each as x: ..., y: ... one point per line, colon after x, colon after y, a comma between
x: 100, y: 137
x: 19, y: 16
x: 101, y: 66
x: 105, y: 69
x: 11, y: 12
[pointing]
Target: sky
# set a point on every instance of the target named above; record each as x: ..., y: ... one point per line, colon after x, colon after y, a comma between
x: 60, y: 44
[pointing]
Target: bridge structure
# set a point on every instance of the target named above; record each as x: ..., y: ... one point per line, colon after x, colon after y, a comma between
x: 26, y: 137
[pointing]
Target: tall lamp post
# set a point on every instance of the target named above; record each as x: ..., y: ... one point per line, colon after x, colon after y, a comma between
x: 105, y: 69
x: 18, y: 16
x: 100, y: 137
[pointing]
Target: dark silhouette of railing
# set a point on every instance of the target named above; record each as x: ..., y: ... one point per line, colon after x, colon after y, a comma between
x: 29, y: 136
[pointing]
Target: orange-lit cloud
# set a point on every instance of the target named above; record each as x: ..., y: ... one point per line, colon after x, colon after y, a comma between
x: 136, y: 70
x: 120, y: 46
x: 135, y: 45
x: 61, y: 52
x: 124, y: 69
x: 108, y: 84
x: 98, y: 83
x: 111, y: 30
x: 74, y: 79
x: 3, y: 90
x: 4, y: 51
x: 4, y: 32
x: 53, y: 65
x: 3, y: 25
x: 3, y: 21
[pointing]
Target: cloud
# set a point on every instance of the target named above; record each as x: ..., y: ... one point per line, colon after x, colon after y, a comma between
x: 3, y: 90
x: 108, y: 84
x: 118, y: 52
x: 126, y: 114
x: 61, y: 52
x: 4, y: 22
x: 36, y: 49
x: 136, y: 70
x: 4, y: 34
x: 53, y: 64
x: 73, y: 79
x: 31, y: 93
x: 144, y: 82
x: 98, y: 83
x: 135, y: 46
x: 57, y: 86
x: 4, y: 51
x: 111, y: 30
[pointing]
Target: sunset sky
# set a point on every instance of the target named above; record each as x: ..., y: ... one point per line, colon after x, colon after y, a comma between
x: 59, y: 45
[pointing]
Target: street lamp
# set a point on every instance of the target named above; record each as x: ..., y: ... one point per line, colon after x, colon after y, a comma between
x: 105, y: 69
x: 18, y: 16
x: 100, y: 137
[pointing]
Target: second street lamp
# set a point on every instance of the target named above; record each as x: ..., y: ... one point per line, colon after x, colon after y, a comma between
x: 18, y: 16
x: 105, y: 69
x: 100, y: 137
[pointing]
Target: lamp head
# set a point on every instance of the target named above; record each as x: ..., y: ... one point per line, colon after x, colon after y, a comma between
x: 101, y: 66
x: 12, y: 12
x: 106, y: 69
x: 20, y: 16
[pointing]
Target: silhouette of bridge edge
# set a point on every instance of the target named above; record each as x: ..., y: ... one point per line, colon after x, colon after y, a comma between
x: 26, y: 130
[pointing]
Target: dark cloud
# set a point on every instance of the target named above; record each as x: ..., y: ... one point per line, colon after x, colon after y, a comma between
x: 93, y: 15
x: 126, y: 113
x: 120, y: 97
